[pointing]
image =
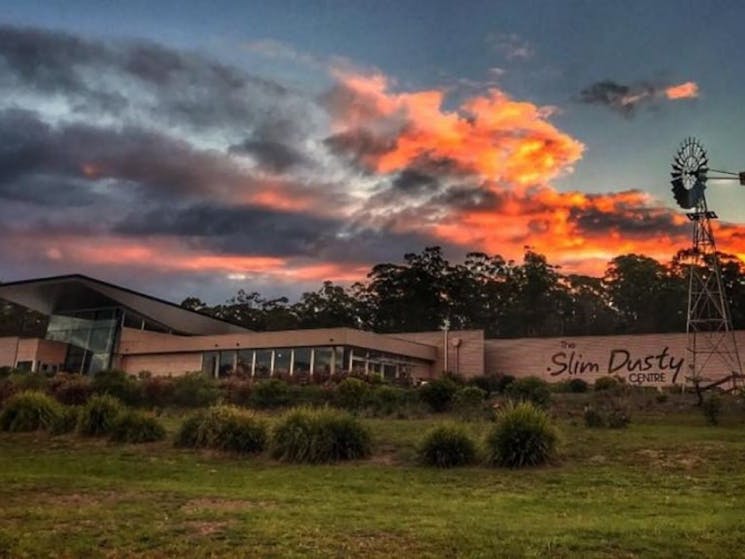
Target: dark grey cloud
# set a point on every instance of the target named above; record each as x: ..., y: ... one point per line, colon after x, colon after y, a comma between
x: 235, y: 229
x: 634, y: 222
x: 411, y: 179
x: 621, y: 98
x: 273, y: 156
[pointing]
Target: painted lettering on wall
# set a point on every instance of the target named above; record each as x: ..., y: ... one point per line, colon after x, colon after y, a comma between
x: 657, y: 367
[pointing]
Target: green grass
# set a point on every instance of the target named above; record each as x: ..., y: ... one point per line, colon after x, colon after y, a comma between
x: 665, y: 487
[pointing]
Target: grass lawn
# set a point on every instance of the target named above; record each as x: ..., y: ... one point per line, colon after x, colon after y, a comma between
x: 665, y: 487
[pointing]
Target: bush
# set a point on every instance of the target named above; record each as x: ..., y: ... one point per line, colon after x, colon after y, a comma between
x: 272, y: 393
x: 67, y: 421
x: 223, y: 428
x: 530, y: 389
x: 118, y: 384
x: 351, y: 394
x: 606, y: 383
x: 619, y: 417
x: 386, y: 399
x: 71, y: 390
x: 593, y: 418
x: 491, y: 384
x: 311, y: 436
x: 29, y: 411
x: 712, y: 409
x: 156, y: 392
x: 237, y: 391
x: 29, y: 381
x: 523, y: 436
x: 469, y: 402
x: 99, y: 415
x: 194, y: 390
x: 438, y: 394
x: 577, y: 386
x: 447, y: 446
x: 137, y: 427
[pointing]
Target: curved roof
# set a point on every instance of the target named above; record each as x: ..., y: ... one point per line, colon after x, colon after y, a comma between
x: 71, y: 292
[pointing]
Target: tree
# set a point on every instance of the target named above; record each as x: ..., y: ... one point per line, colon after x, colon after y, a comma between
x: 329, y: 307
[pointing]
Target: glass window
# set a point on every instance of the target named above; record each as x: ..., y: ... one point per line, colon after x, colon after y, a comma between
x: 322, y: 361
x: 281, y: 362
x: 245, y: 362
x: 339, y: 364
x: 301, y: 361
x: 227, y: 362
x: 389, y: 371
x: 209, y: 363
x: 263, y: 363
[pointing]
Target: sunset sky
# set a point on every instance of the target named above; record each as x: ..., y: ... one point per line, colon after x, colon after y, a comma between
x: 197, y: 148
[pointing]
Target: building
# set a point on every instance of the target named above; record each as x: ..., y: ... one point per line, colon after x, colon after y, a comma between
x: 95, y: 325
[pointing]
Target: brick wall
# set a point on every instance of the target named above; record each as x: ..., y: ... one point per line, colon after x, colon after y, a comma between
x: 465, y: 350
x: 651, y: 359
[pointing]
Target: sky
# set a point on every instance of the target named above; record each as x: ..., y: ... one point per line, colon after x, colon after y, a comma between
x: 198, y: 148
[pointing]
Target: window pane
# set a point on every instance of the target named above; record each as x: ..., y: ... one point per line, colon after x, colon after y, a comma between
x: 301, y: 361
x: 322, y: 361
x: 245, y: 358
x: 209, y: 363
x: 281, y: 362
x: 226, y: 364
x: 263, y: 362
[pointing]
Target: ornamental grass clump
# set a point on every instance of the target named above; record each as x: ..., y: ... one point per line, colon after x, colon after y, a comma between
x: 315, y: 436
x: 99, y: 415
x: 523, y: 436
x: 447, y: 446
x: 137, y: 427
x: 29, y: 411
x: 67, y: 421
x: 225, y: 428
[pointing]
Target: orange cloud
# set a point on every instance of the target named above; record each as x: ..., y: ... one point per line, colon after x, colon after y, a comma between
x: 687, y: 90
x: 492, y: 136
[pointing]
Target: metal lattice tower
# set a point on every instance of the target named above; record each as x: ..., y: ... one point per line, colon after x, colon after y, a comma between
x: 711, y: 338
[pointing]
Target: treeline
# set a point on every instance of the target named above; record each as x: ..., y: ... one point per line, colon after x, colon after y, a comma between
x: 636, y: 294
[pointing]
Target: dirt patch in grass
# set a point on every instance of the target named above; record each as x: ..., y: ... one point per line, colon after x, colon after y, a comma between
x: 207, y: 528
x: 216, y: 504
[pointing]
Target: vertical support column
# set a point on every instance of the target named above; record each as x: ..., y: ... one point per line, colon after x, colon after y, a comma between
x: 253, y: 364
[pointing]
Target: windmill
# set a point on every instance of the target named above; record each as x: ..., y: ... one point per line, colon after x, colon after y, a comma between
x: 711, y: 339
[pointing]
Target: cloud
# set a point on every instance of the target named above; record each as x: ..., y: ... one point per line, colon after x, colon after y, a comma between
x: 511, y: 45
x: 140, y: 162
x: 627, y: 99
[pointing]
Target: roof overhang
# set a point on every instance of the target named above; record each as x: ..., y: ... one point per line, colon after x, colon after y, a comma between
x: 64, y: 293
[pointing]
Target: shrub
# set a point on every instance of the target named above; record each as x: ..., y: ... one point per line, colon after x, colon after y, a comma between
x: 447, y: 446
x: 619, y: 417
x: 137, y: 427
x: 469, y: 402
x: 71, y: 390
x: 530, y: 389
x: 272, y: 393
x: 236, y: 391
x: 438, y: 394
x: 310, y: 395
x: 67, y: 421
x: 387, y: 399
x: 118, y: 384
x: 606, y: 383
x: 7, y: 389
x: 315, y: 436
x: 351, y: 394
x: 523, y: 436
x: 577, y: 386
x: 99, y: 415
x: 224, y: 428
x: 712, y: 409
x: 491, y: 384
x: 661, y: 397
x: 194, y: 390
x: 593, y: 418
x: 156, y: 392
x: 29, y: 381
x: 29, y: 411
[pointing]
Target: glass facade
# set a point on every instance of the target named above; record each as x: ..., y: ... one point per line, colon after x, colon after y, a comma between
x: 90, y: 336
x: 318, y: 362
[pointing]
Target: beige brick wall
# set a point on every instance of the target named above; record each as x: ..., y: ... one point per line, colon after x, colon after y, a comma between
x: 652, y: 360
x: 465, y: 350
x: 8, y: 346
x: 162, y: 365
